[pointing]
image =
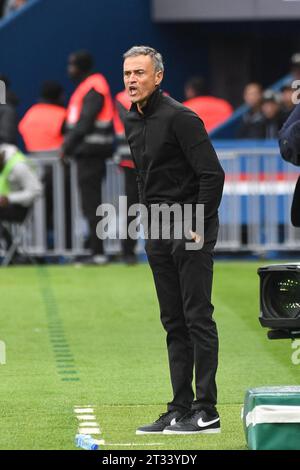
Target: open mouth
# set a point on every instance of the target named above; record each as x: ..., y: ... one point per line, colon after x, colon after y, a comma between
x: 132, y: 90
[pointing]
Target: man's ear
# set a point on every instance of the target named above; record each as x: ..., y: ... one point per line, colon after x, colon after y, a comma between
x: 159, y: 77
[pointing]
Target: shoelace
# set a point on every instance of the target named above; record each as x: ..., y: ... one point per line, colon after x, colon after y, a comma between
x: 162, y: 416
x: 187, y: 416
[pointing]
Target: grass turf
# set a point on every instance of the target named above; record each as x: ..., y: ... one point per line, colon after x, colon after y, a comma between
x: 93, y: 336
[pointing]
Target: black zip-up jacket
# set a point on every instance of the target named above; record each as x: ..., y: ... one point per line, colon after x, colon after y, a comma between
x: 175, y: 160
x: 289, y: 141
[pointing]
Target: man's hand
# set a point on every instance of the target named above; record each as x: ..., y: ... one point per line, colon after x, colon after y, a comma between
x: 195, y: 237
x: 3, y: 201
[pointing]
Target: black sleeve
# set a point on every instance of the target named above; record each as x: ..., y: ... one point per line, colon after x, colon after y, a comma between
x: 293, y: 118
x: 195, y: 144
x: 289, y: 137
x: 92, y: 105
x: 8, y: 124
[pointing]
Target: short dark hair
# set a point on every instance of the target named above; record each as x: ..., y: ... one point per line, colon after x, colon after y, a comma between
x: 146, y: 50
x: 83, y: 60
x: 256, y: 84
x: 51, y: 90
x: 197, y: 84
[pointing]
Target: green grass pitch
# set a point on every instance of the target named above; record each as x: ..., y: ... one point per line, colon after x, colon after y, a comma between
x: 92, y: 336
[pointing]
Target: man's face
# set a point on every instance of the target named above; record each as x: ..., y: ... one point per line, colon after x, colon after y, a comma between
x: 287, y: 97
x: 140, y: 78
x: 270, y: 109
x: 253, y: 96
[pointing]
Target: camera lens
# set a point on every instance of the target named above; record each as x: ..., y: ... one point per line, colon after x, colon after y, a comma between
x: 282, y: 295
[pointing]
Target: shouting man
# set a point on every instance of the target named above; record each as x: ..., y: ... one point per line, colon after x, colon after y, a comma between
x: 176, y: 164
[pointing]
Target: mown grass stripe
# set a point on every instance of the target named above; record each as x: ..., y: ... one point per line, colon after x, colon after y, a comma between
x: 69, y: 379
x: 57, y: 337
x: 63, y: 357
x: 64, y: 360
x: 70, y: 372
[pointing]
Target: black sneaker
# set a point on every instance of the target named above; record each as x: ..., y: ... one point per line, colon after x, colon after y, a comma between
x: 195, y: 422
x: 166, y: 419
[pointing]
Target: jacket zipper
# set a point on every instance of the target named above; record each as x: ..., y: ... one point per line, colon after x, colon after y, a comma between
x: 144, y: 151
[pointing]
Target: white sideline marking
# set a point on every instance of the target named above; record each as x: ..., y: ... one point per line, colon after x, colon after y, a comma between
x: 89, y: 424
x: 86, y: 417
x: 100, y: 442
x: 129, y: 444
x: 89, y: 431
x: 84, y: 410
x: 83, y: 406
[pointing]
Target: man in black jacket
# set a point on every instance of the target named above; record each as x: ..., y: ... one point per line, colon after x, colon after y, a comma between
x: 289, y: 141
x: 176, y: 164
x: 89, y: 139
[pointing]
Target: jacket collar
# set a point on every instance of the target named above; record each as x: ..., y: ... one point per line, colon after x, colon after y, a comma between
x: 151, y: 103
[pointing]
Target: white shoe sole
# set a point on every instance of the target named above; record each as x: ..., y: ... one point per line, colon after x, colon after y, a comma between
x: 148, y: 432
x: 205, y: 431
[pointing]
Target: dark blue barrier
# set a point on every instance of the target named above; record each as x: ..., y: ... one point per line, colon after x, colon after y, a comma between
x: 257, y: 195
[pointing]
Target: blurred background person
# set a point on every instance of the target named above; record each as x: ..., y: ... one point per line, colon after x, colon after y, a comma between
x: 11, y: 6
x: 42, y: 125
x: 273, y: 118
x: 286, y: 98
x: 122, y: 105
x: 251, y: 125
x: 42, y: 132
x: 89, y: 138
x: 19, y: 188
x: 213, y: 111
x: 8, y: 116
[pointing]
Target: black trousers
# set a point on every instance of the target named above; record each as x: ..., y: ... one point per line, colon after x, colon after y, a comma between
x: 131, y: 190
x: 91, y: 171
x: 11, y: 213
x: 183, y: 281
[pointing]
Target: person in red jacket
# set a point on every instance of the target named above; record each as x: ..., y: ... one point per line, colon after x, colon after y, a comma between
x: 41, y: 127
x: 213, y: 111
x: 89, y: 139
x: 122, y: 105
